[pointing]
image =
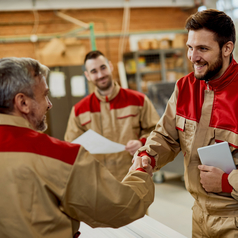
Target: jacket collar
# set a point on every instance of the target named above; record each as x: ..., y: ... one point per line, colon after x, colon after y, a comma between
x: 230, y: 73
x: 6, y: 119
x: 108, y: 98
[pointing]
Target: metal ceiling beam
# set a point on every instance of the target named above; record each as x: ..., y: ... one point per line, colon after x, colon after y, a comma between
x: 26, y: 5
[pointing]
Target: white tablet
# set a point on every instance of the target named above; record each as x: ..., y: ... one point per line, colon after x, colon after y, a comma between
x: 217, y: 155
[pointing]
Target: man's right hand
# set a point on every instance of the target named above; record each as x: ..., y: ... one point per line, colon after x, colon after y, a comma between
x: 142, y: 162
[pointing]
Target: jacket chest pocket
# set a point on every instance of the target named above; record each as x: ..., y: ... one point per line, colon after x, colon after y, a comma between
x: 128, y: 117
x: 186, y: 129
x: 85, y: 120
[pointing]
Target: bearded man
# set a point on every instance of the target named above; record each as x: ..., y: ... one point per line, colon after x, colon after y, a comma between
x: 122, y: 115
x: 203, y: 111
x: 49, y: 186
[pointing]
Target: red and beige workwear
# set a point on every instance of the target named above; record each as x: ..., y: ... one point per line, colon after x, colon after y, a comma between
x: 48, y: 186
x: 124, y: 115
x: 200, y: 114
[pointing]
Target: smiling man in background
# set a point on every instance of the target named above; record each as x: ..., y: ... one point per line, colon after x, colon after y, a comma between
x: 121, y: 115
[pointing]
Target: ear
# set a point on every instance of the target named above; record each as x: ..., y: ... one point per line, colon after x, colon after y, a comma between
x: 87, y: 75
x: 22, y: 103
x: 110, y: 65
x: 228, y: 48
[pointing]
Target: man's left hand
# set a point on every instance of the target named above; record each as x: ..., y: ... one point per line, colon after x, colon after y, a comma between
x: 132, y: 146
x: 211, y: 178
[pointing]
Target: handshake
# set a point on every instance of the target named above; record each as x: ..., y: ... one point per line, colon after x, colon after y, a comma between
x: 143, y: 162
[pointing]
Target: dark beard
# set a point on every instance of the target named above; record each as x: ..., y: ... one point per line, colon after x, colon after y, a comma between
x: 106, y: 87
x: 213, y: 70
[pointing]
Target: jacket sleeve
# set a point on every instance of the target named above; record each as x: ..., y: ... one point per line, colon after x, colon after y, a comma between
x: 95, y: 197
x: 74, y: 128
x: 149, y: 118
x: 232, y: 179
x: 163, y: 142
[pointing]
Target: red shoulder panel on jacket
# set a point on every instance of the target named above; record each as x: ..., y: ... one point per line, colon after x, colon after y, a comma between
x: 190, y: 97
x: 19, y: 139
x: 127, y: 97
x: 88, y: 104
x: 224, y: 112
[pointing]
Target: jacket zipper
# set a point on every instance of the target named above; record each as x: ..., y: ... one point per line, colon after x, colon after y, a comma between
x: 208, y: 89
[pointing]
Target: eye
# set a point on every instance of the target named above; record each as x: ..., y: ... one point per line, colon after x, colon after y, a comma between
x: 93, y: 72
x: 203, y: 48
x: 47, y: 94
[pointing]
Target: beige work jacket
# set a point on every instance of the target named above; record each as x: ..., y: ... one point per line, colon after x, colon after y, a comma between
x: 197, y: 115
x: 48, y: 186
x: 124, y: 115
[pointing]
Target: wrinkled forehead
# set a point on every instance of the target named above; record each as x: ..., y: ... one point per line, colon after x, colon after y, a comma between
x: 40, y: 80
x: 95, y: 63
x: 40, y: 86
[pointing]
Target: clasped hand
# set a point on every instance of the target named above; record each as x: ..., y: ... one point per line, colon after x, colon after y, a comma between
x: 142, y: 162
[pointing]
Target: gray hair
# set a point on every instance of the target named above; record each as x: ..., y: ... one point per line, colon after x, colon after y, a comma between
x: 17, y: 75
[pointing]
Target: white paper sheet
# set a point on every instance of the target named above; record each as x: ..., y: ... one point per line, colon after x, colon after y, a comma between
x: 97, y: 144
x: 145, y: 227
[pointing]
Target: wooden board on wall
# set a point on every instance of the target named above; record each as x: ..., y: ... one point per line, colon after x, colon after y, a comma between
x: 62, y: 52
x: 107, y: 23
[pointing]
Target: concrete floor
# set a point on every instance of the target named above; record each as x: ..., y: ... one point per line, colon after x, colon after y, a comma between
x: 172, y: 204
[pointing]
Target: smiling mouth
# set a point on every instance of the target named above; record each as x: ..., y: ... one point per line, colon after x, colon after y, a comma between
x: 199, y: 67
x: 102, y: 79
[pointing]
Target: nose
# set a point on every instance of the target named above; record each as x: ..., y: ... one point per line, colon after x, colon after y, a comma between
x: 50, y: 105
x: 193, y: 55
x: 100, y: 74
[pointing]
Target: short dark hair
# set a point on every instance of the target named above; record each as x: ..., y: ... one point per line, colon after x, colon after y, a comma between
x: 93, y: 55
x: 215, y: 21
